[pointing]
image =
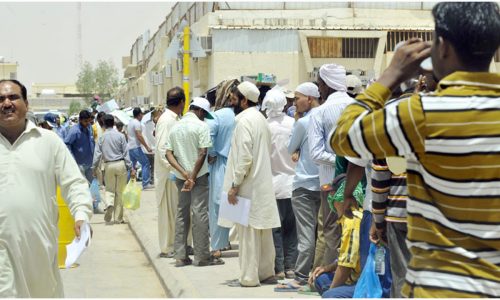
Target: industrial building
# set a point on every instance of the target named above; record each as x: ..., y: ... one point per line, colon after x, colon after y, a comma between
x: 288, y: 40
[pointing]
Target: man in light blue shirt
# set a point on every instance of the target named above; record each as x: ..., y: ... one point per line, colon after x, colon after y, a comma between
x: 305, y: 195
x: 221, y: 130
x: 332, y: 87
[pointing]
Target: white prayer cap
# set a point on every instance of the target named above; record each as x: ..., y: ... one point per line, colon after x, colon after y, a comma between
x: 334, y: 76
x: 308, y: 89
x: 250, y: 91
x: 353, y: 84
x: 274, y: 102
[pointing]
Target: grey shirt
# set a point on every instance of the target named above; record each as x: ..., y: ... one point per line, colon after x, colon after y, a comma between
x: 111, y: 146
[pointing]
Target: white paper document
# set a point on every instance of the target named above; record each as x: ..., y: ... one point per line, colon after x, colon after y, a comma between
x: 75, y: 249
x: 238, y: 213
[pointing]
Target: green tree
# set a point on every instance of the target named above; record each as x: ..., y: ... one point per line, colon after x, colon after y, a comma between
x: 101, y: 80
x: 74, y: 108
x: 86, y: 83
x: 106, y: 77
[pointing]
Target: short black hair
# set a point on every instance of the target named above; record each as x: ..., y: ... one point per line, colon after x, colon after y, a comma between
x: 119, y: 124
x: 24, y: 92
x: 473, y: 28
x: 175, y: 96
x: 85, y: 114
x: 100, y: 114
x: 108, y: 120
x: 136, y: 112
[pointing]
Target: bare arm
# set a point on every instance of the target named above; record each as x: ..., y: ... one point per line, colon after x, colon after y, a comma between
x: 341, y: 276
x: 202, y: 154
x: 173, y: 162
x: 141, y: 139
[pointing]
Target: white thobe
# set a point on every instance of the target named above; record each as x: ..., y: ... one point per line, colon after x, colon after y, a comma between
x: 30, y: 171
x: 249, y: 167
x: 166, y: 191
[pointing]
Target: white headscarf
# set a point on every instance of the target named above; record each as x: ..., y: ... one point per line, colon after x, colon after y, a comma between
x: 308, y: 89
x: 334, y: 76
x: 274, y: 102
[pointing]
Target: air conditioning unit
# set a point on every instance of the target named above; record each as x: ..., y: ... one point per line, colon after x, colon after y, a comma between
x: 206, y: 43
x: 168, y: 71
x: 178, y: 63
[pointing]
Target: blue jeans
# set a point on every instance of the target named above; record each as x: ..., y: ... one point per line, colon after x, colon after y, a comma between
x: 323, y: 282
x: 364, y: 237
x: 136, y: 155
x: 285, y: 238
x: 86, y: 171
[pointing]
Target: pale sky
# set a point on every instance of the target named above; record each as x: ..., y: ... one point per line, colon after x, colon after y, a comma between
x: 42, y: 36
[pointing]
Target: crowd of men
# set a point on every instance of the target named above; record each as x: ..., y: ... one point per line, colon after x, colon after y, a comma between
x: 409, y: 164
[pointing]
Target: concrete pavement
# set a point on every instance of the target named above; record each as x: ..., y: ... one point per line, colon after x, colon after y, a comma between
x: 114, y: 266
x: 191, y: 281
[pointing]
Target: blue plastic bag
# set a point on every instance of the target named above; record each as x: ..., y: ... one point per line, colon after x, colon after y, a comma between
x: 94, y: 190
x: 368, y: 285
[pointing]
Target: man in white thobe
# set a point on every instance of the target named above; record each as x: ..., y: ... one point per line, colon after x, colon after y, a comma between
x: 166, y: 190
x: 248, y: 174
x: 33, y: 162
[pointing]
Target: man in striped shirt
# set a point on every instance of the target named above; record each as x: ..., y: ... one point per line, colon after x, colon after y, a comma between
x: 389, y: 215
x: 450, y: 141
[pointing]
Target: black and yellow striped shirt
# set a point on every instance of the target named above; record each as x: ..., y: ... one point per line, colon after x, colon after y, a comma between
x: 451, y: 140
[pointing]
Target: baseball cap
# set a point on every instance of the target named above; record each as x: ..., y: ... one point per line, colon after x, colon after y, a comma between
x: 51, y: 119
x: 203, y: 104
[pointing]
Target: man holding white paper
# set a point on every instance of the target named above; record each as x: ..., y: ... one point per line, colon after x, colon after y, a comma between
x: 248, y: 175
x: 33, y: 162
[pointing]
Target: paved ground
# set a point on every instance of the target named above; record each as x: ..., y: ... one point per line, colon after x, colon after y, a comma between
x: 114, y: 266
x: 191, y: 281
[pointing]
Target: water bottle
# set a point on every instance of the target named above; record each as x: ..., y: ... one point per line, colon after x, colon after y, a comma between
x: 380, y: 260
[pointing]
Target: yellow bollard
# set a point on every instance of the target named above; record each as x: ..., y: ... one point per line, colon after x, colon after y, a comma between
x: 66, y: 226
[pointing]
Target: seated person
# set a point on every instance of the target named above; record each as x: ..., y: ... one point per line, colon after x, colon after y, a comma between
x: 338, y: 280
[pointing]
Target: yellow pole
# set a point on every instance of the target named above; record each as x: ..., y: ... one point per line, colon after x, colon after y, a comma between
x: 185, y: 64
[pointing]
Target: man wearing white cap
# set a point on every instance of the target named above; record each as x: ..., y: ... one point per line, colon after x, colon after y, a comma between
x: 283, y: 168
x: 187, y: 147
x: 332, y: 88
x: 249, y: 175
x: 305, y: 196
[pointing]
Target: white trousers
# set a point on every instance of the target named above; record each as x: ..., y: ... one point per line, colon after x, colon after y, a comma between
x: 256, y: 255
x: 167, y: 210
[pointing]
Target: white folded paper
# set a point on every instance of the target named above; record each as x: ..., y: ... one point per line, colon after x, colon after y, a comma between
x: 76, y: 248
x: 238, y: 213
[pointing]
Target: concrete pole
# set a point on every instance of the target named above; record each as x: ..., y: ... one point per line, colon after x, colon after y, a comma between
x: 185, y: 67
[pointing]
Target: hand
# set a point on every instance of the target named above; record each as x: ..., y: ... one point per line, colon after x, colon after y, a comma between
x: 377, y: 235
x: 318, y: 271
x: 77, y: 228
x: 231, y: 196
x: 185, y: 175
x: 188, y: 185
x: 421, y: 85
x: 295, y: 156
x: 405, y: 62
x: 349, y: 203
x: 132, y: 173
x: 94, y: 173
x: 211, y: 159
x: 149, y: 149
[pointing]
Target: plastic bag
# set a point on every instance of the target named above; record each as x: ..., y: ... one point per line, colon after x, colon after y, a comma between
x: 94, y: 190
x: 132, y: 195
x: 368, y: 285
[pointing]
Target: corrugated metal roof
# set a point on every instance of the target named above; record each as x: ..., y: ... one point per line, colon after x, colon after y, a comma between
x: 355, y: 27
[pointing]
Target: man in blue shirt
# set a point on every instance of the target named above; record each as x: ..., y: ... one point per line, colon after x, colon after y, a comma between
x: 80, y: 142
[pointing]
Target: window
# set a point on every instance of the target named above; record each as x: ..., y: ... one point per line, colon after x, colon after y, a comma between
x: 342, y: 47
x: 13, y: 75
x: 394, y: 37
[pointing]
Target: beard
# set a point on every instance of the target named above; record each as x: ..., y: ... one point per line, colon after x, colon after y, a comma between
x: 237, y: 108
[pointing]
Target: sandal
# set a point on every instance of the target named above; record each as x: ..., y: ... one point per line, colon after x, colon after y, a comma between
x: 216, y: 253
x: 211, y: 262
x: 269, y: 280
x: 286, y: 287
x: 183, y: 262
x: 227, y: 248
